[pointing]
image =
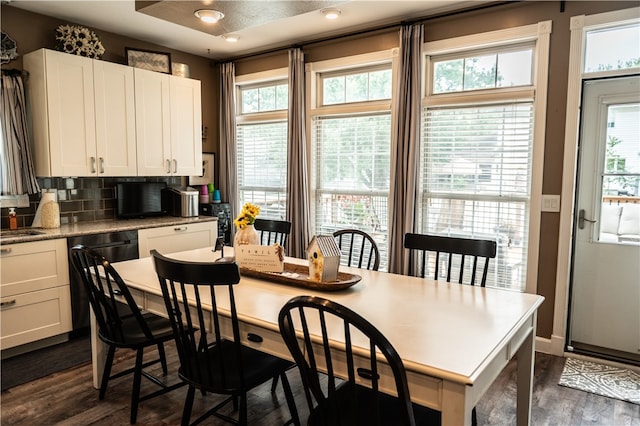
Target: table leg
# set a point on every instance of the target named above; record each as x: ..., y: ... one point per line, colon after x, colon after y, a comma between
x: 456, y: 404
x: 98, y: 353
x: 526, y: 356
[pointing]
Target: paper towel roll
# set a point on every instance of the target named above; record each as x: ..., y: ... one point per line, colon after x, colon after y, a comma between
x: 46, y: 197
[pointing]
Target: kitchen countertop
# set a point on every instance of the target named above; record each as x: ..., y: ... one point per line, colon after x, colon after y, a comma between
x: 28, y: 234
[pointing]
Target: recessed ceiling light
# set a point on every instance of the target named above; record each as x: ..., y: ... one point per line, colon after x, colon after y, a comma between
x: 209, y: 16
x: 331, y: 13
x: 231, y: 38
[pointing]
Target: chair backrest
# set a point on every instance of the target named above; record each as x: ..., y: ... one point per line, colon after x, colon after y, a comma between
x: 358, y: 249
x: 110, y: 298
x: 198, y: 332
x: 273, y: 231
x: 448, y: 249
x: 321, y: 321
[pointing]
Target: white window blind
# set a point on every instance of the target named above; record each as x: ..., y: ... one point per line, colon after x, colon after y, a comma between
x: 352, y: 156
x: 262, y: 167
x: 476, y: 179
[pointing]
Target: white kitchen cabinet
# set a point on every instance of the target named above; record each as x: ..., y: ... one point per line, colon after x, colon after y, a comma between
x: 186, y: 126
x: 83, y: 115
x: 35, y: 301
x: 168, y: 124
x: 172, y: 239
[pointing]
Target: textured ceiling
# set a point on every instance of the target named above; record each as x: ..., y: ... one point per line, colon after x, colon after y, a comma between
x: 238, y: 15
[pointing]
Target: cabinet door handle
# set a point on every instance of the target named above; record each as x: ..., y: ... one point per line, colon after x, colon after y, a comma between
x: 175, y: 166
x: 180, y: 228
x: 93, y: 164
x: 5, y: 251
x: 7, y: 303
x: 168, y: 166
x: 101, y: 164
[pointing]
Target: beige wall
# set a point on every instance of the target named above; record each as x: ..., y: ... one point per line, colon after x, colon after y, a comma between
x: 33, y: 31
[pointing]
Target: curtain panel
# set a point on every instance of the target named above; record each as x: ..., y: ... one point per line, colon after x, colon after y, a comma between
x: 297, y: 177
x: 17, y: 175
x: 405, y: 148
x: 227, y: 149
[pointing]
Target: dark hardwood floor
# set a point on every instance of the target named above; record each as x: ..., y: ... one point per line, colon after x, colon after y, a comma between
x: 68, y: 398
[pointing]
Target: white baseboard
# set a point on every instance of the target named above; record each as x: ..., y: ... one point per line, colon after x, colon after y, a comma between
x: 553, y: 346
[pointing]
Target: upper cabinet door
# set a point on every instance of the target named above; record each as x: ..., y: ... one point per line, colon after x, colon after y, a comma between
x: 186, y: 127
x: 70, y: 101
x: 115, y: 119
x: 153, y: 123
x: 62, y: 104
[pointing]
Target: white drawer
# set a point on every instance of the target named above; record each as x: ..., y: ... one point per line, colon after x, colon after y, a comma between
x: 33, y: 266
x: 35, y: 315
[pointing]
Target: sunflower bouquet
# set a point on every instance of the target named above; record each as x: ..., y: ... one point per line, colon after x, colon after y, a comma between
x: 247, y: 216
x: 78, y: 40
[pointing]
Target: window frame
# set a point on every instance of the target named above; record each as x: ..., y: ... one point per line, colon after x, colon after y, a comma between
x: 539, y: 34
x: 345, y: 65
x: 256, y: 80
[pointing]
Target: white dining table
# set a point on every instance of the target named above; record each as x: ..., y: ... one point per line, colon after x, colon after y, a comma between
x: 454, y: 339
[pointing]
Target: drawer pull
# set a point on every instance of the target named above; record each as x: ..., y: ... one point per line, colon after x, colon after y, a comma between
x: 180, y: 228
x: 252, y: 337
x: 8, y: 303
x: 365, y: 373
x: 5, y: 251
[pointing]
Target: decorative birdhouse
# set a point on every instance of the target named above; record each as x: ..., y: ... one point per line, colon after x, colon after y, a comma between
x: 324, y: 258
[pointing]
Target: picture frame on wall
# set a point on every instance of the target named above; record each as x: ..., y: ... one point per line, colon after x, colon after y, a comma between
x: 149, y: 60
x: 208, y: 161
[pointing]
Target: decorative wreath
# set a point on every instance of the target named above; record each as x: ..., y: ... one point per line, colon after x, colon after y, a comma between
x: 79, y: 40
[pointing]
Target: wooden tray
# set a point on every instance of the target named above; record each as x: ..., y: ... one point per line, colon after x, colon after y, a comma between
x: 344, y: 280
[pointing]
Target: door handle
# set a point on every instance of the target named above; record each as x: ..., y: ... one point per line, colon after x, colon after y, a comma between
x: 93, y: 164
x: 582, y: 219
x: 101, y: 164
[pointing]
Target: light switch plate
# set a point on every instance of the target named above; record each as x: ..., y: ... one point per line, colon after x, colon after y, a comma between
x: 550, y: 203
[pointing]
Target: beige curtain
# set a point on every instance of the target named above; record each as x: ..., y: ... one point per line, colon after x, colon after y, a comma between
x: 297, y: 178
x: 17, y: 175
x: 405, y: 149
x: 227, y: 149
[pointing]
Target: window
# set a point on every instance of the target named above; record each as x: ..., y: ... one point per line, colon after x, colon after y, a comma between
x: 261, y: 138
x: 612, y: 48
x: 351, y: 139
x: 477, y: 149
x: 485, y: 70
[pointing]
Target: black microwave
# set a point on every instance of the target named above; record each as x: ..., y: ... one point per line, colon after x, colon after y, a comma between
x: 139, y: 199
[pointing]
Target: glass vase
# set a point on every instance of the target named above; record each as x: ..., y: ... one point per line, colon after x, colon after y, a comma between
x: 248, y: 235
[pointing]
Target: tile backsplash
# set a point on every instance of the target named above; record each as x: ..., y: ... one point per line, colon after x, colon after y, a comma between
x: 80, y: 199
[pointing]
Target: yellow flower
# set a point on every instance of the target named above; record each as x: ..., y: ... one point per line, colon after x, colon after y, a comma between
x: 247, y: 216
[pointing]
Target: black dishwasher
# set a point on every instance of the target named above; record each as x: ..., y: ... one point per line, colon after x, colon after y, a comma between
x: 115, y: 247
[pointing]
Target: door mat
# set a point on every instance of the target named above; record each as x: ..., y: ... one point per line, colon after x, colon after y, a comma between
x: 34, y: 365
x: 605, y: 380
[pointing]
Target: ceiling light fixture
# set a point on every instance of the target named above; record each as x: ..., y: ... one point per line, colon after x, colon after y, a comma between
x: 231, y: 38
x: 331, y: 13
x: 208, y: 15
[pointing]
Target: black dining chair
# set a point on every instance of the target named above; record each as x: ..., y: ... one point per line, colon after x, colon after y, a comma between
x: 320, y: 335
x: 273, y: 231
x: 122, y: 324
x: 193, y: 293
x: 449, y: 250
x: 358, y: 249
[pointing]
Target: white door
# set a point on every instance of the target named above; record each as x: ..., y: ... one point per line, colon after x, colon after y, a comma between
x: 153, y: 123
x: 186, y: 126
x: 605, y: 288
